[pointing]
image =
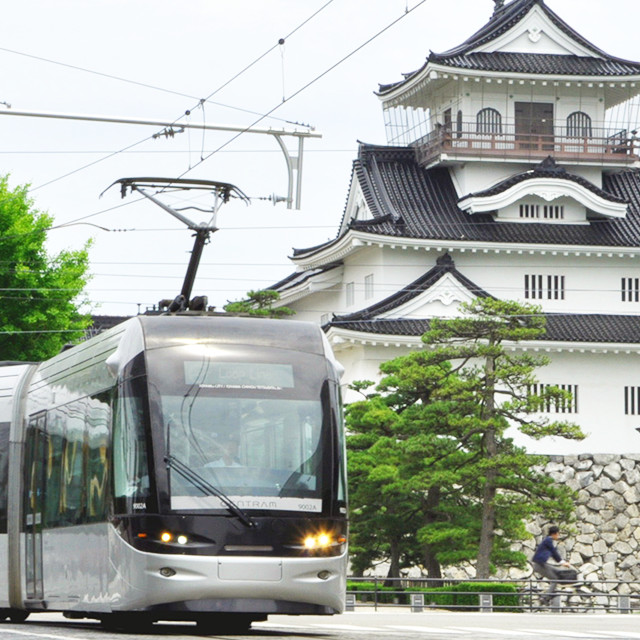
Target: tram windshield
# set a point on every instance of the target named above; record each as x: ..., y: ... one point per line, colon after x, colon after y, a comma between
x: 251, y: 427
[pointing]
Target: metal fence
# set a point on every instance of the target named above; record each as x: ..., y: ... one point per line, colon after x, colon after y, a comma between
x: 531, y: 595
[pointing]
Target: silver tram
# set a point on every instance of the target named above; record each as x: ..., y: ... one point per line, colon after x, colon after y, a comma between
x: 175, y: 468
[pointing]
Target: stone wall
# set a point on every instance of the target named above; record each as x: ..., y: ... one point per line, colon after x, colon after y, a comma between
x: 606, y: 542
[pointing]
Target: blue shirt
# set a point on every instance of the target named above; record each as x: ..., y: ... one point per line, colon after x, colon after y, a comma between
x: 546, y: 549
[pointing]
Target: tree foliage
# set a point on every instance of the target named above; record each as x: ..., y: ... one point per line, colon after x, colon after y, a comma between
x: 259, y: 303
x: 41, y: 293
x: 432, y: 442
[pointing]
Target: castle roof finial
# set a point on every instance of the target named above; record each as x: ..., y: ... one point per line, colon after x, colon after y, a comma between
x: 499, y: 4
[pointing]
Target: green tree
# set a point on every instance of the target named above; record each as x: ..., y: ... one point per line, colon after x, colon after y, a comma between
x: 499, y: 381
x: 41, y: 293
x: 259, y: 303
x: 439, y: 439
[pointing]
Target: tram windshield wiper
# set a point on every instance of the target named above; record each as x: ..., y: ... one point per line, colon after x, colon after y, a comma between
x: 208, y: 489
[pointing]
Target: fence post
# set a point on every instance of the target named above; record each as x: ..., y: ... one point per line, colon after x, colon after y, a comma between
x: 486, y: 602
x: 417, y: 602
x: 624, y: 604
x: 375, y: 593
x: 350, y: 602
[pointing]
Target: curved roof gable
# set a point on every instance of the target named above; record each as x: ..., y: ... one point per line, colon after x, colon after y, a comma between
x: 483, y: 51
x: 444, y: 266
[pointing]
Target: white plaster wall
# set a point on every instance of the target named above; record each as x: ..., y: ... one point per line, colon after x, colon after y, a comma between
x: 601, y: 378
x: 592, y: 283
x: 600, y: 395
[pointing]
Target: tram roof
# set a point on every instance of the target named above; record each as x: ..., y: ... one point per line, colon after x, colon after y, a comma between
x: 264, y: 332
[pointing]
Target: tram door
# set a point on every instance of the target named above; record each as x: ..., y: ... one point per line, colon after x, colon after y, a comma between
x: 34, y: 483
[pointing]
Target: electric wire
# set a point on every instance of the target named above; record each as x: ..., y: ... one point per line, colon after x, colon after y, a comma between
x: 307, y: 85
x: 186, y: 113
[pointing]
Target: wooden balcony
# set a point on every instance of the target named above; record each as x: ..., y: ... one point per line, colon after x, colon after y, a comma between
x: 601, y: 146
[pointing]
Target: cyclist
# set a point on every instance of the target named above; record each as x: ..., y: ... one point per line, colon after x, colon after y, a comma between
x: 545, y: 551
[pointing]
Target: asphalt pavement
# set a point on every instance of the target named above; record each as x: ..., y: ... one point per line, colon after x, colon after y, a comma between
x: 362, y: 624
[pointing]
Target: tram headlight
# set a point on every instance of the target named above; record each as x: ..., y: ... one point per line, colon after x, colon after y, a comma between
x: 165, y: 536
x: 182, y: 539
x: 323, y: 541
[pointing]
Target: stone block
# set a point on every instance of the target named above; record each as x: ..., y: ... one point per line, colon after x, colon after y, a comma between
x: 583, y: 465
x: 621, y: 521
x: 613, y: 470
x: 595, y: 489
x: 597, y: 504
x: 609, y: 571
x: 600, y: 547
x: 620, y: 487
x: 632, y: 477
x: 605, y: 458
x: 586, y: 550
x: 586, y: 528
x: 627, y: 464
x: 633, y: 511
x: 623, y: 548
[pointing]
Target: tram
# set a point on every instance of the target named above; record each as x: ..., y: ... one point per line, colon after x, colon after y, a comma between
x: 175, y: 467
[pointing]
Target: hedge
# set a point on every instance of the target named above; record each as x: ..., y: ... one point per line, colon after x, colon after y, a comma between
x: 461, y: 596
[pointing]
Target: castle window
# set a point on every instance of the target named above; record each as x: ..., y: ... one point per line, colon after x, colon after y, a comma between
x: 351, y: 294
x: 557, y: 405
x: 539, y: 287
x: 368, y: 286
x: 459, y: 125
x: 544, y: 211
x: 632, y: 401
x: 630, y: 289
x: 579, y: 125
x: 488, y: 120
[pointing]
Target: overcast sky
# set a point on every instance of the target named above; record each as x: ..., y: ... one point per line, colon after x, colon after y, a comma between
x: 56, y: 57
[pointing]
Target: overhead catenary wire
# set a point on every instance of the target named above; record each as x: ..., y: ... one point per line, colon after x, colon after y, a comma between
x: 186, y: 113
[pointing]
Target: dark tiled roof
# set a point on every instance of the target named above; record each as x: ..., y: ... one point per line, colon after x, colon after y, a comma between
x: 544, y: 64
x: 600, y: 64
x: 546, y: 169
x: 407, y: 201
x: 601, y: 328
x: 299, y: 277
x: 444, y: 265
x: 507, y: 17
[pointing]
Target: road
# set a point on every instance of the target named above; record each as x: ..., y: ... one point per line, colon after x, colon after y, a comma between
x: 362, y: 625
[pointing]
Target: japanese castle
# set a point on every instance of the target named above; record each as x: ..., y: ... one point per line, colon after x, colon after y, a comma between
x: 512, y: 170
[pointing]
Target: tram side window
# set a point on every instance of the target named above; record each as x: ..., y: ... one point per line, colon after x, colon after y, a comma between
x: 130, y: 466
x: 53, y: 467
x: 98, y: 422
x: 72, y: 497
x: 4, y: 473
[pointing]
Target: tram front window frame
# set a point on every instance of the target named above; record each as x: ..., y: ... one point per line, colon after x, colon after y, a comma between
x: 254, y: 422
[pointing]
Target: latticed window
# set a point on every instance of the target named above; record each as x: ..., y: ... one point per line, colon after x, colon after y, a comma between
x: 630, y: 290
x: 488, y: 120
x: 567, y: 404
x: 538, y: 287
x: 632, y: 401
x: 579, y: 125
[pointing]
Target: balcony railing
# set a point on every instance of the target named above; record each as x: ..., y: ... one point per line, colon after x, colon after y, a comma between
x: 599, y: 146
